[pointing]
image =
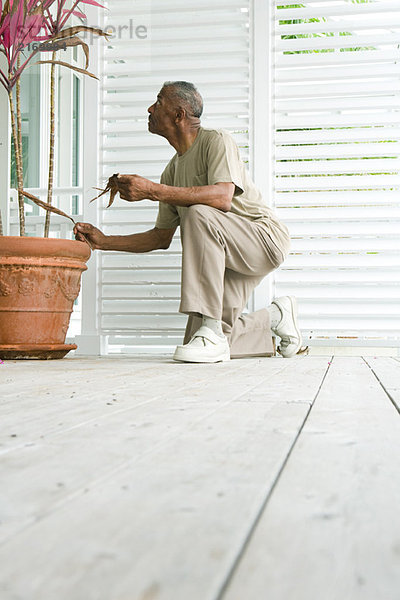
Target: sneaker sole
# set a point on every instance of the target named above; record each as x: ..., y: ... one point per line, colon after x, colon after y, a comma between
x: 180, y: 357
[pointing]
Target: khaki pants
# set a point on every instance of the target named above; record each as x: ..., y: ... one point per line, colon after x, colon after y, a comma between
x: 225, y: 257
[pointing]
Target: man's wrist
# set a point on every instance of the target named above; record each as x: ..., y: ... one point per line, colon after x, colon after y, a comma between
x: 153, y: 191
x: 105, y: 243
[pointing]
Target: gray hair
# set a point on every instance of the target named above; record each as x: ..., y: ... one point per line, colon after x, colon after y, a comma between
x: 189, y: 94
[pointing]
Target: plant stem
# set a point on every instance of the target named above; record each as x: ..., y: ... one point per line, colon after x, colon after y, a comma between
x: 19, y: 116
x: 19, y: 132
x: 51, y: 146
x: 18, y: 161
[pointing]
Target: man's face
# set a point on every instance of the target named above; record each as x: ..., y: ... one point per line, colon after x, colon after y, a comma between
x: 162, y: 114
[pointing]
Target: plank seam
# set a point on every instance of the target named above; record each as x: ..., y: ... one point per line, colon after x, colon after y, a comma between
x: 236, y: 561
x: 392, y: 400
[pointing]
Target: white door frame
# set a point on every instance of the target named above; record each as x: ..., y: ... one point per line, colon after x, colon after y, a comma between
x: 90, y: 342
x: 262, y: 134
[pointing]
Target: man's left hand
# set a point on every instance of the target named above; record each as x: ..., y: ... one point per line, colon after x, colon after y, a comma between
x: 134, y: 187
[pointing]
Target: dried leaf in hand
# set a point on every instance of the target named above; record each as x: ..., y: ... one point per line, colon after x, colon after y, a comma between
x: 112, y: 187
x: 47, y: 206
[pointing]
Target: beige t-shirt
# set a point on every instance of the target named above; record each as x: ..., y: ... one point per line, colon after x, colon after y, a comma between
x: 214, y: 158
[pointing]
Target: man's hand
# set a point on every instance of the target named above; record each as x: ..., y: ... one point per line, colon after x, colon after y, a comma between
x: 134, y: 188
x: 85, y: 232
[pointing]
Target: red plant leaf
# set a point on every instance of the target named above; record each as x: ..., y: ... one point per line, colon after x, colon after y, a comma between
x: 93, y: 3
x: 76, y: 13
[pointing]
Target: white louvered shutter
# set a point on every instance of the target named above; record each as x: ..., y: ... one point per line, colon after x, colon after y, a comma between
x: 337, y: 182
x: 206, y: 43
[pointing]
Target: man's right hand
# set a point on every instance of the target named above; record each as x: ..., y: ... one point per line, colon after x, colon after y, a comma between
x: 85, y: 232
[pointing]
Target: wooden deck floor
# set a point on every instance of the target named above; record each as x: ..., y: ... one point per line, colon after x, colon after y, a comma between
x: 144, y: 479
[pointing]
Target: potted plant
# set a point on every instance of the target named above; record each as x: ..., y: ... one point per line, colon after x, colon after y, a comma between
x: 39, y: 277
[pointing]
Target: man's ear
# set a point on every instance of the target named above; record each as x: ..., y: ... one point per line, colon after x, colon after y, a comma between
x: 180, y: 115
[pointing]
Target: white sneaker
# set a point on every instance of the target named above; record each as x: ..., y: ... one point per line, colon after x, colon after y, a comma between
x: 204, y: 347
x: 287, y: 328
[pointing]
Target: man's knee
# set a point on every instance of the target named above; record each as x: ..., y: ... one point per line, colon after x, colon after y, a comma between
x: 199, y: 215
x: 197, y: 211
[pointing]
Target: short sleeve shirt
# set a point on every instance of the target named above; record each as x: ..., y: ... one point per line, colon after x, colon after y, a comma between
x: 214, y: 158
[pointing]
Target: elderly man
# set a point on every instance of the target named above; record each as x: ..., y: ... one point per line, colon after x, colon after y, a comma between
x: 230, y: 238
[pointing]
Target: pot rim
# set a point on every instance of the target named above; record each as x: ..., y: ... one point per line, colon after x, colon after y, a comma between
x: 12, y: 245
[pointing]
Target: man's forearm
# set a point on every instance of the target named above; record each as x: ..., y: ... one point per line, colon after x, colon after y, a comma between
x: 217, y: 196
x: 136, y: 242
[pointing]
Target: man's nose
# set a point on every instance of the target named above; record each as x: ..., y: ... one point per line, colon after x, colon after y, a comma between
x: 150, y: 109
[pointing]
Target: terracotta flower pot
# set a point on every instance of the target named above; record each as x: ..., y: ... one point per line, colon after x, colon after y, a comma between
x: 39, y: 281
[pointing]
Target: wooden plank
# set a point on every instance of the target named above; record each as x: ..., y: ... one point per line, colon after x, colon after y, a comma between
x: 41, y: 406
x: 330, y: 529
x: 285, y: 386
x: 170, y: 520
x: 53, y: 409
x: 161, y: 509
x: 103, y: 427
x: 387, y: 371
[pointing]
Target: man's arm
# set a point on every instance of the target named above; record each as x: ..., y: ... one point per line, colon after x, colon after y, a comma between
x: 133, y: 188
x: 217, y: 196
x: 154, y: 239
